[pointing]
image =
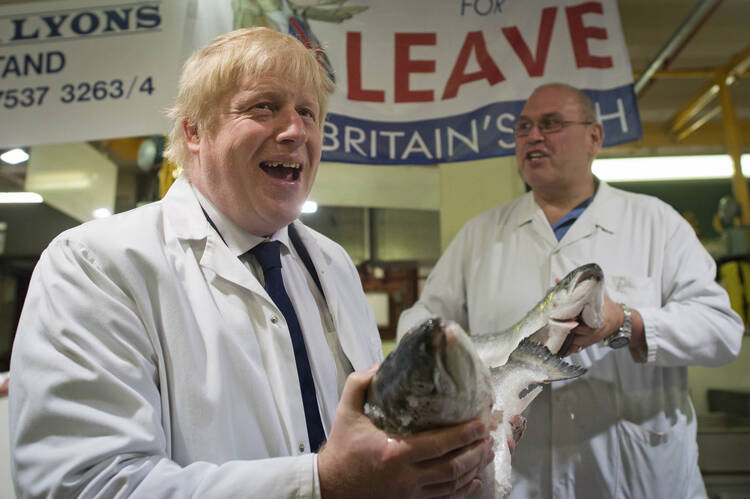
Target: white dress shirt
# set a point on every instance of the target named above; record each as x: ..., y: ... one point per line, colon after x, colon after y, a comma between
x: 328, y: 363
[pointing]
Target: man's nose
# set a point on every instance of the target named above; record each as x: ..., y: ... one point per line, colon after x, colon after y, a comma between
x: 291, y: 126
x: 535, y: 134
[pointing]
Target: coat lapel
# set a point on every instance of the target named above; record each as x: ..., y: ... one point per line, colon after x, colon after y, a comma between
x: 341, y: 301
x: 595, y: 218
x: 186, y: 218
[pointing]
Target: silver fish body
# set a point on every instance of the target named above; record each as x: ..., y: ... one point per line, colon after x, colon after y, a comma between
x: 434, y: 377
x: 515, y: 385
x: 578, y: 297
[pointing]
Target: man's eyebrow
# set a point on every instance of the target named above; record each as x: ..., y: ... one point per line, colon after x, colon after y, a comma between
x: 253, y: 95
x: 553, y: 114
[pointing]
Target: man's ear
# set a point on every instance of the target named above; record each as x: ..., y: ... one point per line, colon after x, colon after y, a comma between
x: 191, y: 136
x: 597, y: 137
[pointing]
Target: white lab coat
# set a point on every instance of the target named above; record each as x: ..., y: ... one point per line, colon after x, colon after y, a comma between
x: 149, y: 361
x: 623, y: 430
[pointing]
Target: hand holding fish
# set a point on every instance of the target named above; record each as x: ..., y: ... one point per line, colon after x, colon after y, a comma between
x: 613, y: 317
x: 518, y: 426
x: 438, y: 376
x: 435, y: 378
x: 577, y: 299
x: 585, y: 335
x: 360, y: 460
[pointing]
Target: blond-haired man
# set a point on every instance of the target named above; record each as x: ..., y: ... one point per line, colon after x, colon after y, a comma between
x: 203, y: 345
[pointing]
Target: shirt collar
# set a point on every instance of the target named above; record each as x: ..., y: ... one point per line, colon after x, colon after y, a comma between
x: 605, y: 211
x: 237, y: 239
x: 600, y: 213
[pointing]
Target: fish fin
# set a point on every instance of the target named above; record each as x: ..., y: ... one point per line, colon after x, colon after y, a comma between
x: 593, y: 311
x: 533, y: 386
x: 556, y: 368
x: 555, y: 334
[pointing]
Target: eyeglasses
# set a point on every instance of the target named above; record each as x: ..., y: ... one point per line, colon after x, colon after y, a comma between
x: 546, y: 125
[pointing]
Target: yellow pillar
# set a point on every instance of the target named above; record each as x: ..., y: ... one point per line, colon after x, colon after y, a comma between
x: 734, y: 149
x: 168, y: 173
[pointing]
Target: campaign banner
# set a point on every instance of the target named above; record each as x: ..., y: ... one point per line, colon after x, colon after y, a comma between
x: 426, y: 81
x: 77, y: 70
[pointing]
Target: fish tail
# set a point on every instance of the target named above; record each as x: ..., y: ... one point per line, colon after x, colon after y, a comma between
x: 530, y: 352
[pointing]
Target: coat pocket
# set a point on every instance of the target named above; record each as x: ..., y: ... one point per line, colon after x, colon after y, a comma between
x: 634, y: 291
x: 655, y: 462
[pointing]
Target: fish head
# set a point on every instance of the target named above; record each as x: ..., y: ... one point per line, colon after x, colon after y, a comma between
x: 579, y: 295
x: 432, y: 378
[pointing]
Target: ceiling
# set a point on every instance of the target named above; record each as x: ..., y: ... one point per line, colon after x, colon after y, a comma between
x: 718, y: 39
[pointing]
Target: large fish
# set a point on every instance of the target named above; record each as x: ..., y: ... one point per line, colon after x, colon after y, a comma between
x: 434, y: 377
x: 579, y: 295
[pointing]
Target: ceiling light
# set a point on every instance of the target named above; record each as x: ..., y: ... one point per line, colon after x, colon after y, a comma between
x: 653, y: 168
x: 14, y: 156
x: 309, y: 207
x: 59, y: 181
x: 101, y: 213
x: 20, y: 197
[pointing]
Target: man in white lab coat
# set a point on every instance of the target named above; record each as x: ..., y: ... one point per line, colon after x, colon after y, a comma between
x: 627, y: 429
x: 150, y: 360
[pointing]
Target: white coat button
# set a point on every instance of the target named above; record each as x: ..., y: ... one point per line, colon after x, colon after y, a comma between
x: 274, y: 319
x: 302, y: 447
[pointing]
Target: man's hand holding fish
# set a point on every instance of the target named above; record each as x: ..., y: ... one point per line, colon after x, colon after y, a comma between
x: 442, y: 462
x: 613, y: 318
x: 438, y: 376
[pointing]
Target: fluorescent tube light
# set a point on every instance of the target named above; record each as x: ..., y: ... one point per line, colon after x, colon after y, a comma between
x: 667, y: 168
x: 20, y: 197
x: 14, y: 156
x: 101, y: 213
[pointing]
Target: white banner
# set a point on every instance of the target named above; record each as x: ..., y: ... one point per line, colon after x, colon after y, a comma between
x: 75, y: 70
x: 427, y: 81
x: 418, y: 82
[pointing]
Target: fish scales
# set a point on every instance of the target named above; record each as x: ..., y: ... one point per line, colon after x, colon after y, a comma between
x: 438, y: 376
x: 435, y: 378
x: 577, y: 298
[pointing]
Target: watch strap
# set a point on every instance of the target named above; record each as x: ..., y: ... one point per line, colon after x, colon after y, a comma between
x: 621, y: 337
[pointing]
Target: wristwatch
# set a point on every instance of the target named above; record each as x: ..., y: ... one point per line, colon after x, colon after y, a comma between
x: 621, y: 337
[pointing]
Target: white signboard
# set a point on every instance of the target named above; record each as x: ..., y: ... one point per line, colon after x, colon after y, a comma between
x: 427, y: 81
x: 74, y: 70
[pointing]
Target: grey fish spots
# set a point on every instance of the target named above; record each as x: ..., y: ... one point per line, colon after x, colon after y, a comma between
x: 578, y: 297
x: 434, y: 377
x: 437, y: 375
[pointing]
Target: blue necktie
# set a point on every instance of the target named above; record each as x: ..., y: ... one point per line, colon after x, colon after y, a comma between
x: 269, y: 259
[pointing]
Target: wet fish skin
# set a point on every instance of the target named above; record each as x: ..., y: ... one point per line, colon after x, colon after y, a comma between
x: 579, y: 296
x: 434, y: 377
x: 516, y: 384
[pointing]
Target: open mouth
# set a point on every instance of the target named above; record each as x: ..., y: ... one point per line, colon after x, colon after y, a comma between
x: 535, y: 155
x: 282, y: 171
x: 592, y: 272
